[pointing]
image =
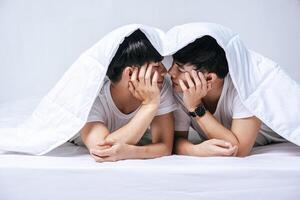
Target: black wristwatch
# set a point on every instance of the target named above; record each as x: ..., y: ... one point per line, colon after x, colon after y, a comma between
x: 199, y: 111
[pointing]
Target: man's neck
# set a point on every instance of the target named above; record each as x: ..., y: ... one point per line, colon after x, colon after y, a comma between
x: 123, y: 99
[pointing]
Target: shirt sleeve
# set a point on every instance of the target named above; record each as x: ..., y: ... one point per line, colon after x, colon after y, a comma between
x: 239, y: 111
x: 97, y: 113
x: 182, y: 121
x: 167, y: 101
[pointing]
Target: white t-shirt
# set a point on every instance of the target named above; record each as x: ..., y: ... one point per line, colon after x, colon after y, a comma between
x: 104, y: 110
x: 229, y: 107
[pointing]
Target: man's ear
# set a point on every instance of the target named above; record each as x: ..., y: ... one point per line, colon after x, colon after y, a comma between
x: 211, y: 77
x: 127, y: 72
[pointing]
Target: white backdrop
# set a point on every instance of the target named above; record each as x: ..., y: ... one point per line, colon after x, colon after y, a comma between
x: 40, y: 39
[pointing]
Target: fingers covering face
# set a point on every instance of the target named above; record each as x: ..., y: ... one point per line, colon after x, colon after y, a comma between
x: 189, y: 80
x: 142, y: 73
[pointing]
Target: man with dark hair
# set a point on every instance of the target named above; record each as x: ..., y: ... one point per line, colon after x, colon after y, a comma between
x: 135, y: 97
x: 211, y: 105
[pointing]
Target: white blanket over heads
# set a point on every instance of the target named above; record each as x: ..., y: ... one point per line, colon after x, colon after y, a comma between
x: 262, y: 86
x: 64, y: 110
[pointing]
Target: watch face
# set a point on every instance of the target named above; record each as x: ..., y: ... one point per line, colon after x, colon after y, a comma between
x: 200, y: 111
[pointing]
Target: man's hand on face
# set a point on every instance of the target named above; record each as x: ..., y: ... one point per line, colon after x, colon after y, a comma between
x: 215, y: 147
x: 143, y: 86
x: 110, y: 151
x: 194, y: 89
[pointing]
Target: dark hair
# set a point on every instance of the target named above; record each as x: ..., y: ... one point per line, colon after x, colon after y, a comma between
x: 206, y: 54
x: 135, y: 50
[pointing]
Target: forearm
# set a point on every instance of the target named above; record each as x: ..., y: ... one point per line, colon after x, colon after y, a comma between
x: 214, y: 129
x: 132, y: 132
x: 149, y: 151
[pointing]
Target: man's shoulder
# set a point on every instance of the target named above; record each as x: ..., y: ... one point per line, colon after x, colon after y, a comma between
x: 104, y: 88
x: 102, y: 100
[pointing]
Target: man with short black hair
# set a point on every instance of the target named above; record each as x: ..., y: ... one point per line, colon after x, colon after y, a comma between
x: 135, y: 97
x: 210, y: 104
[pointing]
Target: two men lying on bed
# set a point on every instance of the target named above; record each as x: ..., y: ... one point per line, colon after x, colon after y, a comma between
x: 136, y: 113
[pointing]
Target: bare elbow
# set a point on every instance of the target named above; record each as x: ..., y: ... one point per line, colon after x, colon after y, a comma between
x: 241, y: 153
x: 240, y: 150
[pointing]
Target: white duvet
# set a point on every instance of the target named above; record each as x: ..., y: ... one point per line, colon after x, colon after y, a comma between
x: 263, y: 86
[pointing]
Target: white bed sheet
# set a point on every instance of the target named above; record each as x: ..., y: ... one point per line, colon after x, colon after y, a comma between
x: 68, y: 172
x: 272, y: 172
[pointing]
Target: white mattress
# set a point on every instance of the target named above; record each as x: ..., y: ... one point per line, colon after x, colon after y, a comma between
x: 271, y: 172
